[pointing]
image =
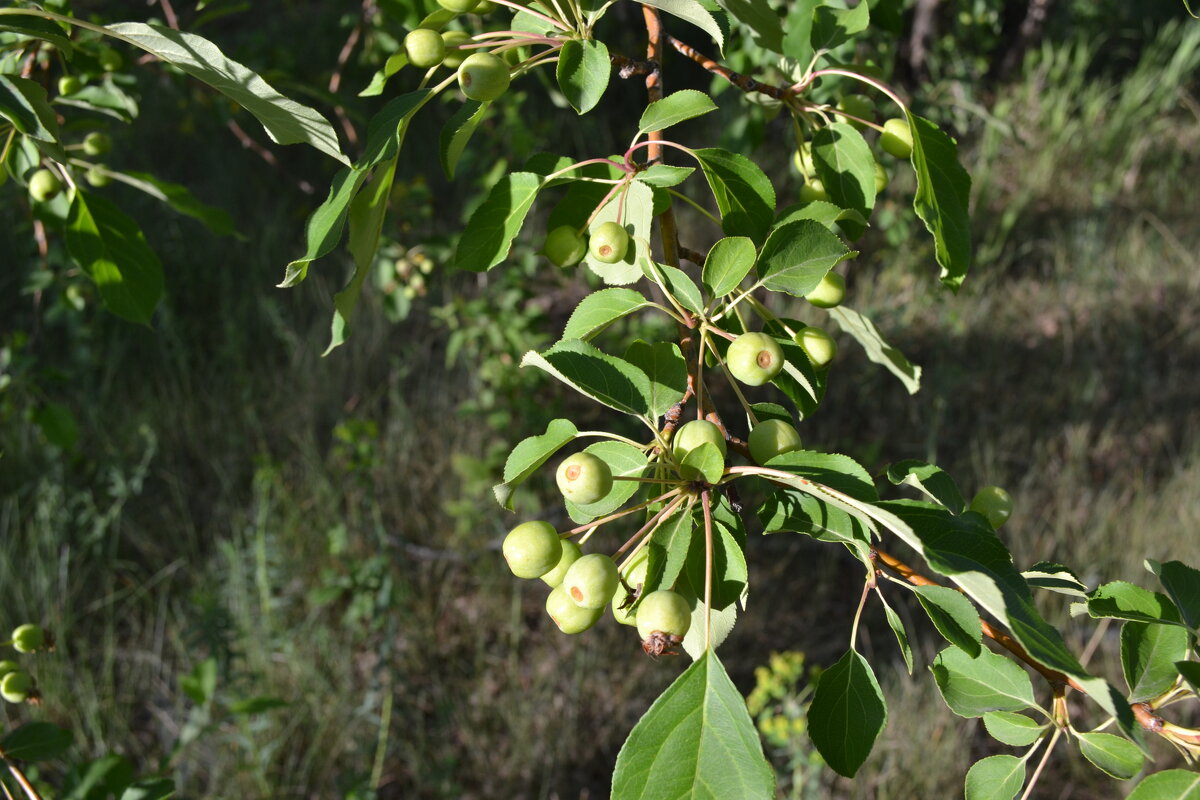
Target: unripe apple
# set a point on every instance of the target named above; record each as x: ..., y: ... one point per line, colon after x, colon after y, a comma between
x: 583, y: 478
x: 484, y: 7
x: 424, y: 47
x: 69, y: 84
x: 829, y: 292
x: 111, y: 60
x: 813, y: 190
x: 633, y: 575
x: 802, y: 160
x: 16, y: 686
x: 770, y: 438
x: 993, y: 503
x: 28, y: 638
x: 818, y: 345
x: 691, y: 435
x: 754, y: 358
x: 664, y: 612
x: 570, y: 554
x: 97, y: 143
x: 569, y: 617
x: 881, y: 178
x: 897, y: 137
x: 44, y: 185
x: 858, y: 105
x: 453, y: 40
x: 458, y: 6
x: 483, y: 77
x: 565, y: 246
x: 591, y: 581
x: 97, y: 177
x: 532, y: 549
x: 608, y: 243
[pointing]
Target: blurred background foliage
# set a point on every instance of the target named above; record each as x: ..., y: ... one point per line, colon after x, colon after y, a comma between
x: 209, y: 500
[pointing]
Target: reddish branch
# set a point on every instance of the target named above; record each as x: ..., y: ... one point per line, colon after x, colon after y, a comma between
x: 743, y: 82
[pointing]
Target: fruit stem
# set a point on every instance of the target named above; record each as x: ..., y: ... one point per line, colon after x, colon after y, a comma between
x: 1037, y: 772
x: 733, y: 383
x: 862, y: 602
x: 658, y: 142
x: 618, y: 514
x: 651, y: 525
x: 531, y: 12
x: 602, y: 204
x: 812, y: 76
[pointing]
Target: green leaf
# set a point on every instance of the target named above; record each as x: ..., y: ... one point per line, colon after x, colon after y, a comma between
x: 799, y: 379
x: 58, y: 425
x: 994, y: 777
x: 729, y: 568
x: 1118, y: 757
x: 1148, y: 656
x: 394, y: 63
x: 1015, y: 730
x: 793, y: 511
x: 897, y: 625
x: 797, y: 28
x: 100, y: 778
x: 744, y: 194
x: 257, y: 705
x: 797, y: 255
x: 693, y: 12
x: 637, y: 217
x: 844, y: 221
x: 38, y: 28
x: 1190, y: 672
x: 847, y: 713
x: 703, y: 463
x: 623, y: 460
x: 931, y: 480
x: 828, y: 469
x: 105, y: 98
x: 677, y: 283
x: 1056, y: 578
x: 728, y: 261
x: 181, y: 200
x: 600, y: 309
x: 1124, y: 600
x: 675, y: 108
x: 674, y: 538
x: 150, y: 789
x: 721, y: 621
x: 611, y: 381
x: 1183, y: 585
x: 845, y: 165
x: 201, y: 683
x: 1170, y: 784
x: 835, y: 26
x: 36, y: 741
x: 110, y: 248
x: 760, y: 18
x: 662, y: 176
x: 457, y: 132
x: 497, y: 221
x: 664, y: 365
x: 529, y: 455
x: 583, y: 71
x: 943, y: 192
x: 973, y: 686
x: 285, y: 120
x: 23, y: 103
x: 877, y: 350
x: 696, y: 741
x: 953, y: 615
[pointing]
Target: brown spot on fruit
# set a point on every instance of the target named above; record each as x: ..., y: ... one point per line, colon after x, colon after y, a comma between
x: 605, y: 250
x: 573, y: 472
x: 576, y: 594
x: 764, y: 359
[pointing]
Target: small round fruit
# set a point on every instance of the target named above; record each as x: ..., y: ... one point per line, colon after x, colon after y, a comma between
x: 453, y: 40
x: 97, y: 143
x: 583, y: 478
x: 857, y: 105
x: 634, y: 576
x: 608, y: 243
x: 458, y: 6
x: 532, y: 549
x: 829, y: 292
x: 570, y: 554
x: 754, y: 358
x: 993, y: 503
x: 424, y: 47
x: 111, y: 60
x: 770, y: 438
x: 7, y: 666
x: 569, y: 617
x: 802, y: 160
x: 97, y: 177
x: 881, y: 178
x: 813, y: 190
x: 16, y: 686
x: 591, y: 581
x: 565, y: 246
x: 691, y: 435
x: 69, y: 84
x: 897, y: 138
x: 44, y: 185
x: 818, y: 345
x: 483, y: 77
x: 663, y: 612
x: 484, y: 7
x: 28, y: 638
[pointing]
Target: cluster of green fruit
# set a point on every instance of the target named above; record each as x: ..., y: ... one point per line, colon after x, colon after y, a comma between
x: 481, y: 76
x: 895, y: 138
x: 45, y: 185
x: 17, y: 685
x: 565, y: 246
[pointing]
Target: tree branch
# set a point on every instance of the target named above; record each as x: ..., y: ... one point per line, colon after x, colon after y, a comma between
x: 743, y: 82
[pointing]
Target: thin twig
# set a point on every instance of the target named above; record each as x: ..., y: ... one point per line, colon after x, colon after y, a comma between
x: 743, y: 82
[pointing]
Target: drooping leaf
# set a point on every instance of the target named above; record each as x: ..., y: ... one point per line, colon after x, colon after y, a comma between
x: 612, y: 381
x: 953, y: 615
x: 675, y: 108
x: 1056, y: 578
x: 110, y: 248
x: 845, y: 165
x: 728, y: 261
x: 693, y: 12
x: 457, y: 132
x: 285, y: 120
x: 995, y: 777
x: 798, y: 255
x: 36, y: 741
x: 989, y: 682
x: 1183, y: 586
x: 1170, y: 784
x: 664, y: 365
x: 583, y: 71
x: 180, y: 199
x: 531, y: 453
x: 600, y: 309
x: 897, y: 625
x: 1124, y: 600
x: 943, y: 192
x: 623, y: 461
x: 23, y: 103
x: 1118, y: 757
x: 1148, y: 656
x: 828, y: 469
x: 787, y: 510
x: 744, y: 194
x: 1015, y: 730
x: 497, y: 221
x: 729, y: 568
x: 931, y: 480
x: 697, y: 740
x: 847, y: 713
x: 877, y: 350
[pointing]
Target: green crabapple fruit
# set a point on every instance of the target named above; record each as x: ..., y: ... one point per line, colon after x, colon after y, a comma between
x: 813, y: 190
x: 695, y: 433
x: 569, y: 617
x: 829, y: 292
x: 993, y: 503
x: 857, y: 105
x: 896, y: 138
x: 111, y: 60
x: 570, y: 554
x: 16, y: 686
x: 608, y: 243
x: 97, y: 177
x: 483, y: 77
x: 802, y: 160
x: 591, y: 581
x: 565, y: 246
x: 28, y: 638
x: 663, y: 612
x: 633, y: 575
x: 583, y: 478
x: 44, y: 185
x: 881, y: 178
x: 532, y: 549
x: 754, y: 358
x: 97, y: 143
x: 454, y: 40
x: 484, y: 7
x: 69, y: 84
x: 458, y: 6
x: 770, y: 438
x: 424, y: 47
x: 818, y: 345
